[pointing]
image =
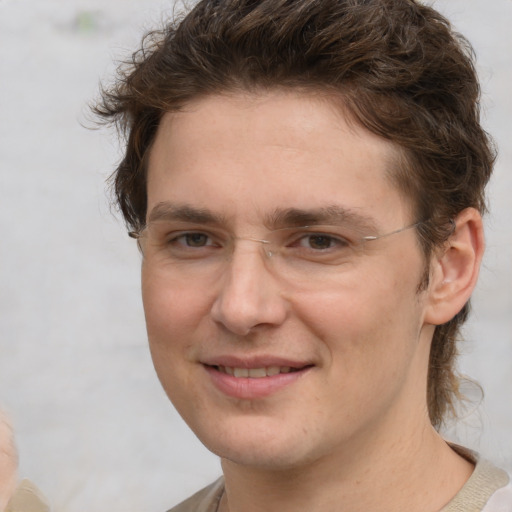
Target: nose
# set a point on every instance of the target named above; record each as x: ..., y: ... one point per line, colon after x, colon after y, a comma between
x: 248, y: 296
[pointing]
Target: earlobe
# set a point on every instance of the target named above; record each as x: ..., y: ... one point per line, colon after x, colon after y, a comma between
x: 455, y: 269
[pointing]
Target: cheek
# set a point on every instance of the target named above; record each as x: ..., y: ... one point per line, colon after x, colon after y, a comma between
x: 169, y: 321
x: 170, y: 305
x: 174, y: 314
x: 369, y: 326
x: 176, y: 317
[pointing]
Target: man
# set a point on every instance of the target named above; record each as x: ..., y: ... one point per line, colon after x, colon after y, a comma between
x: 305, y: 179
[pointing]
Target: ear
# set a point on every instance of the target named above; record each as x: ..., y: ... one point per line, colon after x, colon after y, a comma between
x: 454, y: 270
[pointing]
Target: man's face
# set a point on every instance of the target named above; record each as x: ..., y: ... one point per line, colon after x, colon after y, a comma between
x: 336, y: 351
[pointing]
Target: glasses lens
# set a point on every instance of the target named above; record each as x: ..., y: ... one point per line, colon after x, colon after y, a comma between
x: 302, y: 256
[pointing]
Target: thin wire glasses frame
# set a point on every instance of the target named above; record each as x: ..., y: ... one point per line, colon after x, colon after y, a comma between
x: 326, y: 231
x: 310, y: 257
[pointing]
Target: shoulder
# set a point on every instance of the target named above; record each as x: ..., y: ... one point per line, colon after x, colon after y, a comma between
x: 489, y: 489
x: 206, y: 500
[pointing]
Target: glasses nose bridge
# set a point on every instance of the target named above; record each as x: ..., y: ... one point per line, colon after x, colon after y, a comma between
x: 266, y: 245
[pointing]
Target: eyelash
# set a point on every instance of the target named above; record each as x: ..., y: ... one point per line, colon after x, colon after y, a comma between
x: 334, y: 241
x: 182, y: 239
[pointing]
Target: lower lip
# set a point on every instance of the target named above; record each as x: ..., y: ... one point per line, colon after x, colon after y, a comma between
x: 246, y: 388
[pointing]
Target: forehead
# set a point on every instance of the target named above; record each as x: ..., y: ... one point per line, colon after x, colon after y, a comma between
x: 277, y: 148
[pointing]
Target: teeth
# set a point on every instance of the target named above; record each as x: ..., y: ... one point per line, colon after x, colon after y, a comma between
x: 240, y: 372
x: 254, y: 373
x: 257, y: 373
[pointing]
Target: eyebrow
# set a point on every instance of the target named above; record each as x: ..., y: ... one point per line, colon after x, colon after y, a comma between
x: 332, y: 214
x: 184, y: 213
x: 279, y: 218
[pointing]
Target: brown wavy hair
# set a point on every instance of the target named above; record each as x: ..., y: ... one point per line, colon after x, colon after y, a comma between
x: 397, y: 66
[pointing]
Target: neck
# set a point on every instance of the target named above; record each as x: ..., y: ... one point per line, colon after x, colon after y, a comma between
x: 420, y: 474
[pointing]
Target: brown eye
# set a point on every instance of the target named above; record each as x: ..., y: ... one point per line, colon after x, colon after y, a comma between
x: 320, y: 242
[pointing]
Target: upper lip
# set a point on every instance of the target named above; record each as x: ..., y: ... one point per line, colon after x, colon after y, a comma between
x: 262, y: 361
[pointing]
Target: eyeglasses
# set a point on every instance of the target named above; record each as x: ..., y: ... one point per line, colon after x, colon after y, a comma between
x: 307, y: 254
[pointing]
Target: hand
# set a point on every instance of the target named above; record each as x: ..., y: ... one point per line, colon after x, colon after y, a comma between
x: 8, y: 462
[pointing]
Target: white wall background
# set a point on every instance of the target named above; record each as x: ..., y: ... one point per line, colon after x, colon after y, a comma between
x: 94, y: 429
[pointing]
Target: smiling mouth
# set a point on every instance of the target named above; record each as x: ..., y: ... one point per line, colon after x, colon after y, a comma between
x: 257, y: 373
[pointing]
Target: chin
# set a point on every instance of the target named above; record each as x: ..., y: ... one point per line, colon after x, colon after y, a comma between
x: 262, y: 446
x: 262, y: 458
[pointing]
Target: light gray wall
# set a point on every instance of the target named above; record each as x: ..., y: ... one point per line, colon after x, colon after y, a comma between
x: 94, y: 428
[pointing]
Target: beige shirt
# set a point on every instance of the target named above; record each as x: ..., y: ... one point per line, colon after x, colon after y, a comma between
x: 27, y: 498
x: 487, y: 490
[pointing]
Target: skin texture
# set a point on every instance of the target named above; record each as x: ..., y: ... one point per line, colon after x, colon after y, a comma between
x: 360, y: 409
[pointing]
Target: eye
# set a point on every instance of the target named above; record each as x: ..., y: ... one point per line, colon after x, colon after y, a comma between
x: 190, y: 240
x: 194, y: 239
x: 322, y: 242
